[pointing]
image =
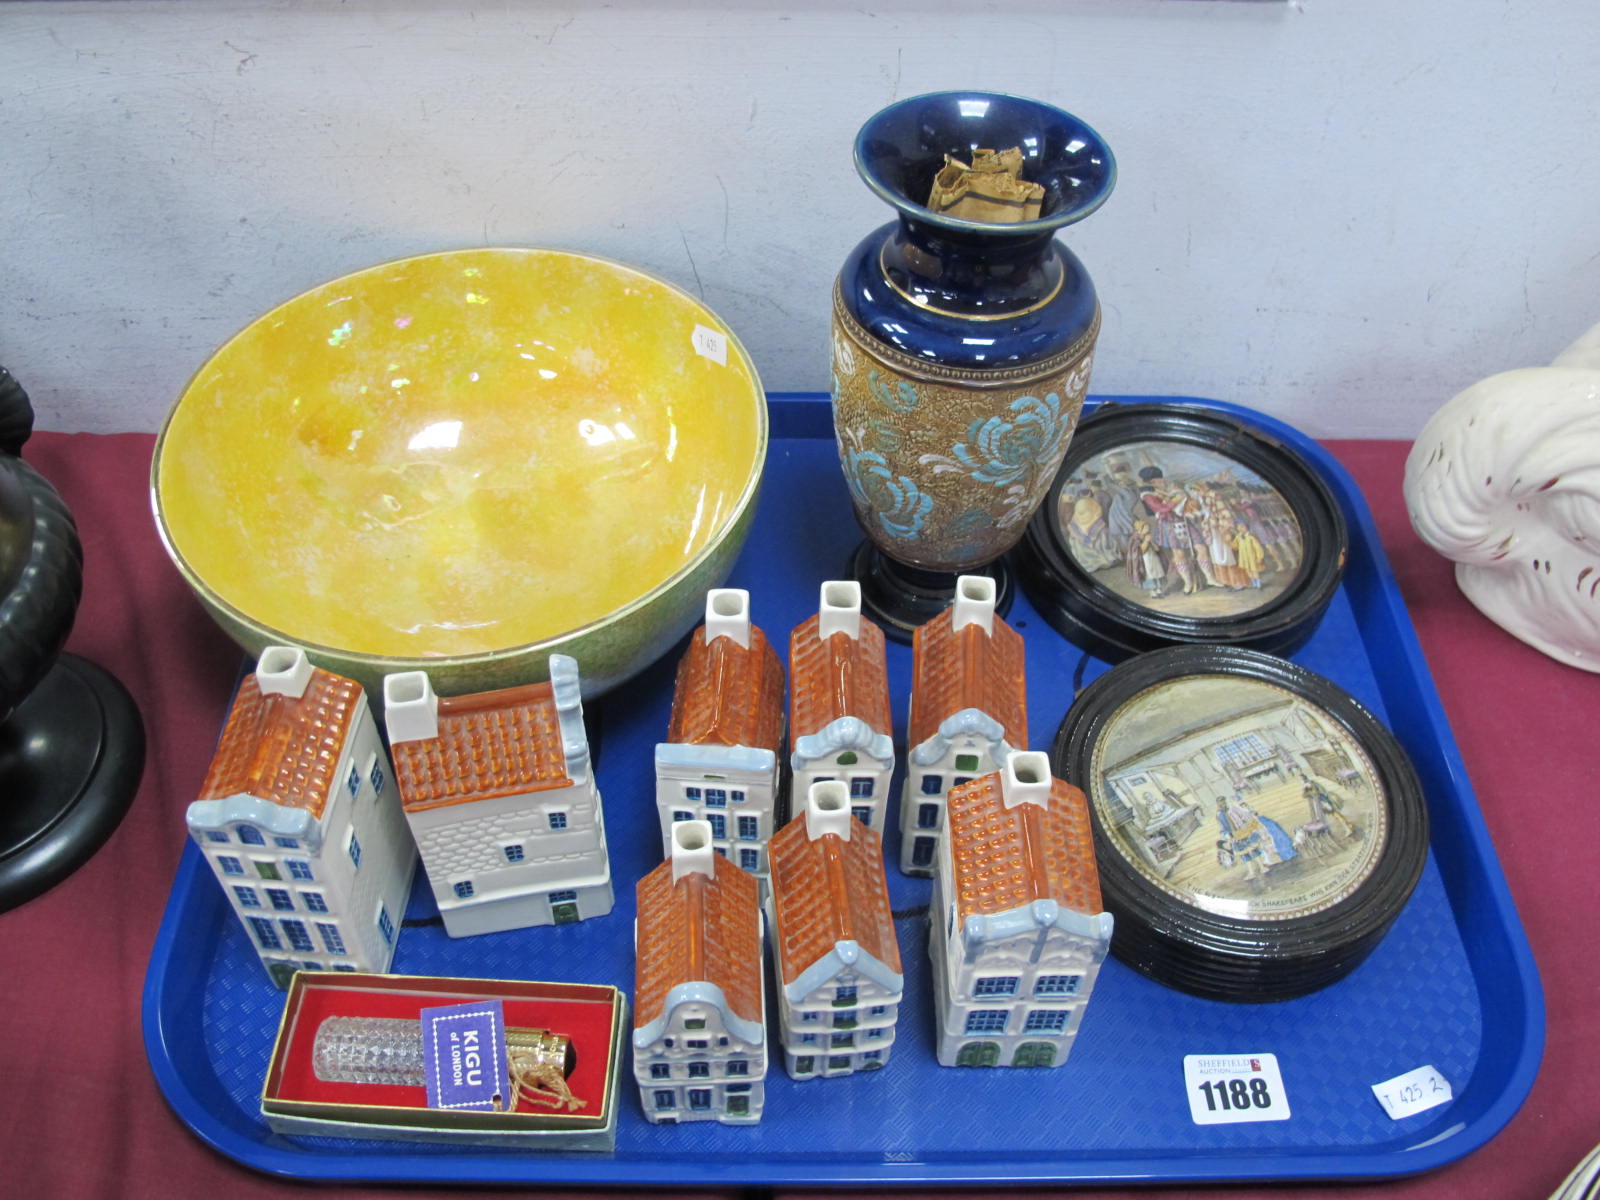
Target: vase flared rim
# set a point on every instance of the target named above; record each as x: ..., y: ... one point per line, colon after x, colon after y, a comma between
x: 1092, y: 151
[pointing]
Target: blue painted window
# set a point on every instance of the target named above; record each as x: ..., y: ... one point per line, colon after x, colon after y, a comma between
x: 514, y: 852
x: 660, y: 1070
x: 696, y: 1043
x: 266, y: 933
x: 861, y: 787
x: 214, y: 835
x: 987, y: 1020
x: 959, y: 780
x: 558, y: 820
x: 312, y: 966
x: 808, y: 1039
x: 932, y: 785
x: 874, y: 1034
x: 286, y: 843
x: 995, y: 985
x: 229, y: 864
x: 666, y: 1098
x: 862, y: 813
x: 736, y: 1089
x: 716, y: 797
x: 810, y: 1016
x: 354, y: 782
x: 878, y: 1010
x: 927, y: 816
x: 736, y: 795
x: 1057, y: 985
x: 299, y: 868
x: 922, y: 852
x: 378, y: 778
x: 1045, y: 1020
x: 738, y: 1066
x: 314, y: 901
x: 750, y: 828
x: 564, y: 897
x: 299, y: 936
x: 749, y: 859
x: 281, y: 900
x: 463, y: 889
x: 700, y: 1099
x: 682, y: 815
x: 699, y: 1070
x: 842, y: 1039
x: 251, y: 836
x: 872, y: 1056
x: 846, y: 994
x: 344, y: 967
x: 332, y: 940
x: 354, y: 848
x: 385, y: 924
x: 719, y: 825
x: 247, y: 896
x: 692, y: 794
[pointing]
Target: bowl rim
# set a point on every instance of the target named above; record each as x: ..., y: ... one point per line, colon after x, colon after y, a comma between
x: 736, y: 513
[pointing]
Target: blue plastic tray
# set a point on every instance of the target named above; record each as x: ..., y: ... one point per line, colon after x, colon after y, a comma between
x: 1453, y: 985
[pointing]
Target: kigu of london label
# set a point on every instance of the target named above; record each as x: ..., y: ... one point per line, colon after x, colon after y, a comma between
x: 945, y: 465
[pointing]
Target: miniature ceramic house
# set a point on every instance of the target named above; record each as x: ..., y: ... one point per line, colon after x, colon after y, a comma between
x: 699, y: 1022
x: 835, y: 952
x: 968, y: 712
x: 297, y: 819
x: 839, y: 719
x: 720, y: 761
x: 1017, y: 932
x: 500, y: 795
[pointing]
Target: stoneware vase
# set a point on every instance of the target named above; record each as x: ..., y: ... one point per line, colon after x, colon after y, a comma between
x: 961, y: 346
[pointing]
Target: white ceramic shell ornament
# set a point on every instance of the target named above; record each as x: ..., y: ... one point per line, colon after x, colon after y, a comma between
x: 1505, y: 481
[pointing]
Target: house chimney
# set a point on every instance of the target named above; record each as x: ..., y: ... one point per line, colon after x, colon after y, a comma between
x: 974, y: 603
x: 728, y: 615
x: 828, y: 810
x: 283, y: 671
x: 691, y: 849
x: 839, y: 610
x: 1026, y: 779
x: 410, y: 709
x: 567, y: 692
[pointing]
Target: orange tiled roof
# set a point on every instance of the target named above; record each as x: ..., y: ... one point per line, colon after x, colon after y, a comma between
x: 283, y: 749
x: 967, y: 668
x: 826, y: 891
x: 490, y: 744
x: 840, y: 677
x: 1006, y: 858
x: 702, y: 929
x: 728, y: 695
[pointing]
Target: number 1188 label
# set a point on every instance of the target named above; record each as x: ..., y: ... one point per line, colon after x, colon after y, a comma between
x: 1230, y: 1088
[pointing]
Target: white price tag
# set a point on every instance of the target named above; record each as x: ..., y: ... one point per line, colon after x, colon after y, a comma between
x: 1225, y: 1089
x: 708, y: 343
x: 1414, y: 1092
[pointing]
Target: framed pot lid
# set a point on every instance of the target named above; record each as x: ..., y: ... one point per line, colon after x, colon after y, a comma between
x: 1170, y: 524
x: 1257, y: 830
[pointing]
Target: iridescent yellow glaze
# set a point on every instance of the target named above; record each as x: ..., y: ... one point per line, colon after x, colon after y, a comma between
x: 460, y: 453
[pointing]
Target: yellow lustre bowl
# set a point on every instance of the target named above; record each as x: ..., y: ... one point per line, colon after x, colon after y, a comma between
x: 464, y: 462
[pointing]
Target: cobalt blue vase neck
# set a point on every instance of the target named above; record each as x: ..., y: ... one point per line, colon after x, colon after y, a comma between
x: 974, y: 294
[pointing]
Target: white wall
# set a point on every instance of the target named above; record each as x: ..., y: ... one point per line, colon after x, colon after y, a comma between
x: 1337, y: 211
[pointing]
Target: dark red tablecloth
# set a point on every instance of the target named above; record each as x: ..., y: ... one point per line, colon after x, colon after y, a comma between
x: 80, y: 1114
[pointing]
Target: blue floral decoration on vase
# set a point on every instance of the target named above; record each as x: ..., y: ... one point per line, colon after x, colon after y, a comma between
x: 1002, y: 449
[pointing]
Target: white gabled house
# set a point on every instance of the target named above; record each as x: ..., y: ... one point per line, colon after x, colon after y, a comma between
x: 1017, y: 933
x: 499, y: 792
x: 299, y: 820
x: 969, y: 712
x: 839, y: 716
x: 699, y: 1020
x: 720, y: 761
x: 834, y: 946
